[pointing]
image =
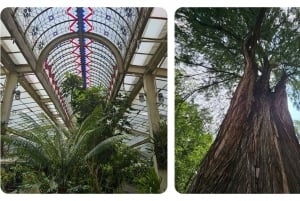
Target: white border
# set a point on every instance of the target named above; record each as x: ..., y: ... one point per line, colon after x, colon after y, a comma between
x: 170, y: 6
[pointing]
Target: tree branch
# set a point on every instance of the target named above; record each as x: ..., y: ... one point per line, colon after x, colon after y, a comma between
x: 250, y: 42
x: 281, y: 84
x: 212, y: 69
x: 220, y: 28
x: 204, y: 87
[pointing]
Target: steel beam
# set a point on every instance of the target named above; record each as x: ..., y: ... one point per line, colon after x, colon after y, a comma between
x: 144, y: 141
x: 159, y: 54
x: 140, y: 70
x: 138, y: 133
x: 13, y: 28
x: 69, y: 36
x: 82, y: 44
x: 7, y: 18
x: 141, y: 24
x: 31, y: 91
x: 19, y: 70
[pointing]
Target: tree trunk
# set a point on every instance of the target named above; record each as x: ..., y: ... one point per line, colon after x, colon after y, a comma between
x: 256, y: 150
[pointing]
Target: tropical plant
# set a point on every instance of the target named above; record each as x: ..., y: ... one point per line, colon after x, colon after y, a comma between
x: 83, y: 100
x: 48, y: 149
x: 253, y: 52
x: 83, y: 159
x: 71, y: 84
x: 149, y: 183
x: 8, y: 180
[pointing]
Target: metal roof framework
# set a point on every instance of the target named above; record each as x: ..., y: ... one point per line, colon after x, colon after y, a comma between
x: 112, y: 47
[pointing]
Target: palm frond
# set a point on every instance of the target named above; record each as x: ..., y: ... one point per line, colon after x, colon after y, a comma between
x: 89, y: 123
x: 103, y: 146
x: 29, y: 148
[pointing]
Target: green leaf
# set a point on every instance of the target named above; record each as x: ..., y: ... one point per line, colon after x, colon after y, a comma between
x: 103, y: 146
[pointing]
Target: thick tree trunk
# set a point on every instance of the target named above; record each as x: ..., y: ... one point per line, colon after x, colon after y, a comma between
x: 256, y: 150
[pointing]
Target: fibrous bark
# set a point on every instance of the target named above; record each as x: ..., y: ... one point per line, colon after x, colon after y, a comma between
x: 256, y: 149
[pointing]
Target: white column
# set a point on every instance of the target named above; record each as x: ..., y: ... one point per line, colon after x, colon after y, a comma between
x: 8, y: 95
x: 154, y: 120
x: 151, y: 99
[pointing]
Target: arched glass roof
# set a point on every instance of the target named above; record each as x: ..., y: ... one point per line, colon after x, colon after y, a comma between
x: 42, y: 25
x: 112, y: 47
x: 100, y: 62
x: 93, y: 61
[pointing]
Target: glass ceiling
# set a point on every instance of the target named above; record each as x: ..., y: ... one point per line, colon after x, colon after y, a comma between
x: 81, y: 55
x: 95, y: 61
x: 89, y: 59
x: 42, y: 25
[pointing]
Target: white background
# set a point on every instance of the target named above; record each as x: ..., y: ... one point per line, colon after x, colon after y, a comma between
x: 170, y: 6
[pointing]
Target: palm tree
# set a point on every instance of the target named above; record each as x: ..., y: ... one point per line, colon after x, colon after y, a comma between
x: 60, y: 153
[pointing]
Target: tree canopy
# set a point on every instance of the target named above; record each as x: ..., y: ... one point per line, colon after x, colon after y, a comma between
x: 211, y: 39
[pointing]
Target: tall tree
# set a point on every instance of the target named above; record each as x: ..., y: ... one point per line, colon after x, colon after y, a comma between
x: 256, y: 51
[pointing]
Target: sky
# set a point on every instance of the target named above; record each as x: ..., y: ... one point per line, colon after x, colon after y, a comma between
x: 294, y: 112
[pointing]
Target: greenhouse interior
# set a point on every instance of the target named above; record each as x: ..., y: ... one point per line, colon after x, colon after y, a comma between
x: 83, y: 100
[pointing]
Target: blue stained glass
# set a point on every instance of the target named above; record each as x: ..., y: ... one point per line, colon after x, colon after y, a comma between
x: 119, y: 44
x: 123, y: 30
x: 41, y: 45
x: 108, y: 17
x: 55, y: 33
x: 35, y: 30
x: 27, y: 12
x: 58, y: 45
x: 106, y: 33
x: 128, y: 12
x: 51, y: 17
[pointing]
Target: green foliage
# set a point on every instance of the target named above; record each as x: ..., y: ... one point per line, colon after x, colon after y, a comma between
x: 211, y: 39
x: 45, y: 185
x: 71, y: 84
x: 124, y: 165
x: 46, y: 148
x: 49, y: 150
x: 90, y: 158
x: 7, y: 180
x: 83, y: 101
x: 160, y: 142
x: 149, y: 183
x: 191, y: 140
x: 23, y: 177
x: 103, y: 146
x: 75, y: 162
